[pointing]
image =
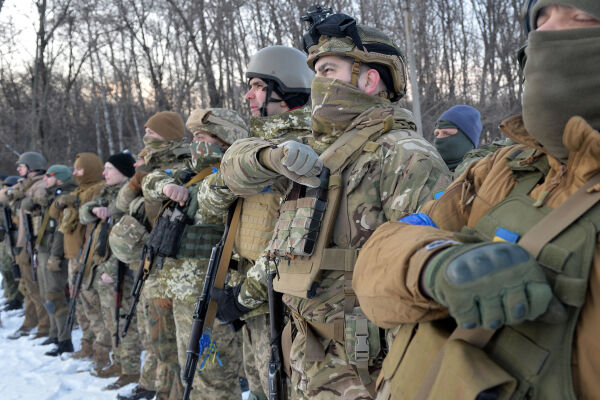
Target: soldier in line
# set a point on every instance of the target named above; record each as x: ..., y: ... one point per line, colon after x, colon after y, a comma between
x: 516, y: 250
x: 181, y: 278
x: 9, y: 282
x: 278, y: 96
x: 380, y: 170
x: 457, y: 132
x: 87, y: 173
x: 31, y: 167
x: 53, y: 267
x: 103, y: 214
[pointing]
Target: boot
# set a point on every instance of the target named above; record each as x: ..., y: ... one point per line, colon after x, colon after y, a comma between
x: 50, y: 340
x: 101, y: 360
x: 85, y: 352
x: 123, y: 380
x: 110, y: 372
x: 19, y: 333
x: 138, y: 393
x: 14, y: 304
x: 66, y: 346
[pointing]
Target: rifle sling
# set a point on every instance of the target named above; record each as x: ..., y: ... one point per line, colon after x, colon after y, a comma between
x: 43, y: 227
x: 224, y: 263
x: 533, y: 241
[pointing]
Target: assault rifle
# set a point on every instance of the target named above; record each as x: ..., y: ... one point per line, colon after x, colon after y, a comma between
x: 121, y: 269
x: 206, y: 308
x: 162, y: 242
x: 9, y: 227
x: 277, y: 381
x: 30, y: 246
x: 78, y: 279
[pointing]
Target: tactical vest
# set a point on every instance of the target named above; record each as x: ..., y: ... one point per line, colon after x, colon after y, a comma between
x: 528, y: 361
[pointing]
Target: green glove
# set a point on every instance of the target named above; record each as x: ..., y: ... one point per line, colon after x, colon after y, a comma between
x: 488, y: 284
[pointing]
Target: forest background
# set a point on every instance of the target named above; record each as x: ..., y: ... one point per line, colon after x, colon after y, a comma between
x: 80, y: 75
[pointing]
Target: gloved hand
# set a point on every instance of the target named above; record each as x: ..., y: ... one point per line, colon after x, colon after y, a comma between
x: 229, y: 308
x: 294, y: 160
x: 15, y: 194
x: 488, y: 284
x: 66, y: 200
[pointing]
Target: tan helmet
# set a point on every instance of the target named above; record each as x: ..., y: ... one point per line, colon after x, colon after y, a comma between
x: 225, y: 124
x: 339, y: 35
x: 285, y: 72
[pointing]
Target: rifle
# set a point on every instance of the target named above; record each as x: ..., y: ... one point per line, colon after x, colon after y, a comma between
x: 162, y: 242
x: 30, y: 246
x: 121, y: 269
x: 9, y: 227
x: 205, y: 309
x: 277, y: 381
x: 78, y: 280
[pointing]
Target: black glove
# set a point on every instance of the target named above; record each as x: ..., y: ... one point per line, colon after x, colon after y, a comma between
x: 229, y: 308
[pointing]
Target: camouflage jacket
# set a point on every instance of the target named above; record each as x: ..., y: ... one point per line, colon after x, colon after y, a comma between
x: 385, y: 184
x: 215, y: 197
x: 480, y: 152
x: 52, y: 241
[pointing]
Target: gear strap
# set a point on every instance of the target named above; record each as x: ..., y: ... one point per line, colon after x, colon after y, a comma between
x: 533, y: 241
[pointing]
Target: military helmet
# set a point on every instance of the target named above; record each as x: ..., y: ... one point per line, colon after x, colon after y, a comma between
x: 225, y: 124
x: 339, y: 35
x: 33, y: 160
x: 284, y: 65
x: 11, y: 180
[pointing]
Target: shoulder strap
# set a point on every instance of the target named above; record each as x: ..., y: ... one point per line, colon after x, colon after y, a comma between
x: 45, y: 221
x: 533, y: 241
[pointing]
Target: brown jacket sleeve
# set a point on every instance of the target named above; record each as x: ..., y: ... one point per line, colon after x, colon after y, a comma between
x: 388, y: 269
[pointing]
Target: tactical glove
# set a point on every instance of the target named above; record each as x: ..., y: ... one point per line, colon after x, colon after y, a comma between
x: 294, y: 160
x: 488, y: 284
x: 229, y: 308
x: 66, y: 200
x: 15, y: 194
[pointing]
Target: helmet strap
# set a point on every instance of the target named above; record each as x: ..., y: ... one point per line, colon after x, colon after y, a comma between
x: 269, y: 90
x: 355, y: 72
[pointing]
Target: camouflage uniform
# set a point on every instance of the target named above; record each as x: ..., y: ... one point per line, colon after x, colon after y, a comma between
x: 31, y: 187
x: 481, y: 152
x: 127, y: 355
x: 9, y: 283
x: 215, y: 197
x: 388, y: 180
x: 181, y: 280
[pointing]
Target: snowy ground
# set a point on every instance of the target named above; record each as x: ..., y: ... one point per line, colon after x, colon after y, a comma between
x: 27, y: 374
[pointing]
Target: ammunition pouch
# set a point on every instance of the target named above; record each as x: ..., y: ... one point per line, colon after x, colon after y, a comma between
x: 197, y: 240
x: 257, y: 223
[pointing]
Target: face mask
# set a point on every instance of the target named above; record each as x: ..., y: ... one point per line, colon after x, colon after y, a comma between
x: 152, y: 143
x: 562, y: 79
x: 205, y: 154
x: 453, y: 148
x: 335, y: 104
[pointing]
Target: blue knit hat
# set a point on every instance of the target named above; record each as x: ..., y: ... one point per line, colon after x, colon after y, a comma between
x: 467, y: 119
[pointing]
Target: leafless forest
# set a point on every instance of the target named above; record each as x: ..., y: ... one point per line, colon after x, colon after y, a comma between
x: 100, y: 68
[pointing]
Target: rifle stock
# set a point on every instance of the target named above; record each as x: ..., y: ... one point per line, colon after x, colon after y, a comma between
x: 30, y: 246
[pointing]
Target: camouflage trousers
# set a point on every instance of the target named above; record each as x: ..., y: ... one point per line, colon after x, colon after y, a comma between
x: 148, y: 373
x: 52, y: 288
x: 128, y: 352
x: 82, y: 319
x: 92, y: 308
x: 164, y: 344
x: 256, y: 354
x: 9, y: 284
x: 330, y: 379
x: 37, y: 313
x: 212, y: 380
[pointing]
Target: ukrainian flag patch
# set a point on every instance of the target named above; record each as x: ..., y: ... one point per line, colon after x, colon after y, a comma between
x: 504, y: 235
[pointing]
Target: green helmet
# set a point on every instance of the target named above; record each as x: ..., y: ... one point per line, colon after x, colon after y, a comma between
x: 284, y: 70
x: 33, y: 160
x: 225, y: 124
x: 339, y: 35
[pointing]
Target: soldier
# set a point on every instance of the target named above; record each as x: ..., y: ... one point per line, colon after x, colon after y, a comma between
x: 274, y: 73
x: 7, y: 261
x: 524, y: 266
x: 104, y: 272
x: 31, y: 167
x: 380, y: 170
x: 165, y: 150
x: 52, y: 268
x: 87, y: 173
x: 457, y: 132
x: 182, y: 277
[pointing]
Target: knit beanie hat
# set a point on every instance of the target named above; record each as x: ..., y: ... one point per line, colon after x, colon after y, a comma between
x: 467, y: 119
x: 591, y: 7
x: 167, y: 124
x: 124, y: 163
x: 60, y: 172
